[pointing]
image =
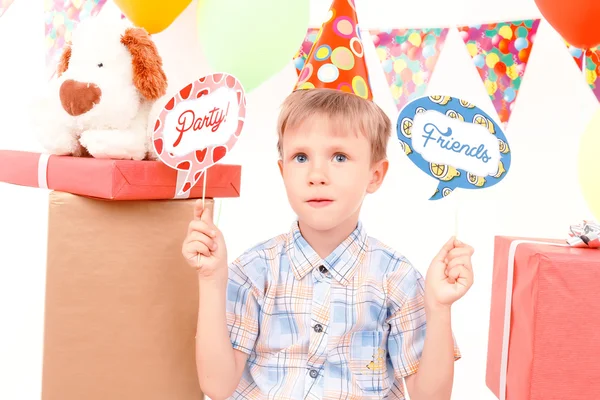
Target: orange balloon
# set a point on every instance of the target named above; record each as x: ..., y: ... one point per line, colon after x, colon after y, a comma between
x: 575, y: 20
x: 153, y: 15
x: 504, y: 115
x: 524, y: 55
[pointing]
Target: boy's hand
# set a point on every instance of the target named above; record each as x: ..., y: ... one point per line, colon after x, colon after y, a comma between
x: 204, y: 246
x: 450, y: 274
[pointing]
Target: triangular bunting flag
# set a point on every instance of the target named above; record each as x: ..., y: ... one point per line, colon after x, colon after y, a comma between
x: 304, y: 51
x: 60, y: 19
x: 408, y: 58
x: 592, y: 70
x: 577, y: 55
x: 4, y: 4
x: 591, y: 60
x: 500, y: 52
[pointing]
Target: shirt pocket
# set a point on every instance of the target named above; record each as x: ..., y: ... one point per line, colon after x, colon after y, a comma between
x: 367, y: 357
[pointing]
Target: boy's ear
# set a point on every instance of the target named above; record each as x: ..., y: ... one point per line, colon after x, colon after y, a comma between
x: 378, y: 172
x: 280, y: 164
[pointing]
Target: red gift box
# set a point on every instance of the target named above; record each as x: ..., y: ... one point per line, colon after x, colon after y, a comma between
x: 544, y: 321
x: 112, y: 179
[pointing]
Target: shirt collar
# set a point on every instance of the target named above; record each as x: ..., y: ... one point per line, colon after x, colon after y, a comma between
x: 342, y: 263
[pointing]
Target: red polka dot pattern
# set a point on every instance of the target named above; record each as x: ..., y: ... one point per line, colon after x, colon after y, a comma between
x: 196, y: 162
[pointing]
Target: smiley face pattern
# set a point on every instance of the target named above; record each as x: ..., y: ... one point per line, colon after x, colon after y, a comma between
x: 336, y: 60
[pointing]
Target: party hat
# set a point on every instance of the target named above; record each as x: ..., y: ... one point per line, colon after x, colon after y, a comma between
x: 337, y: 60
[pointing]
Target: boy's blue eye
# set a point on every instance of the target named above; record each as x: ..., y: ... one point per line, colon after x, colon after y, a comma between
x: 300, y: 158
x: 340, y: 158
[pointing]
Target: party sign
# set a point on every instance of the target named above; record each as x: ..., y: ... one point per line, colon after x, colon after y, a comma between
x: 199, y: 125
x: 454, y: 142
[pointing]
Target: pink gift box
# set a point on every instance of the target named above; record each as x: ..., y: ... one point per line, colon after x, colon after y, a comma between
x: 544, y: 334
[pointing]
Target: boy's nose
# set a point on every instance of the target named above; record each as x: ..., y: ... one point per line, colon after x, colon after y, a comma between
x: 317, y: 177
x: 315, y: 182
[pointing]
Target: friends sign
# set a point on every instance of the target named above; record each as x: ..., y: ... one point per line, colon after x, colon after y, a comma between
x: 454, y: 142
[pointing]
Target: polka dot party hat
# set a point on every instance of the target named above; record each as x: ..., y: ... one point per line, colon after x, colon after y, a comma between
x: 336, y: 60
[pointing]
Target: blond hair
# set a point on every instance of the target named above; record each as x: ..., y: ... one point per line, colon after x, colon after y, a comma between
x: 348, y: 112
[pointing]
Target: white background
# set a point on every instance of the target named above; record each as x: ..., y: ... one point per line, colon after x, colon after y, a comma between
x: 539, y: 198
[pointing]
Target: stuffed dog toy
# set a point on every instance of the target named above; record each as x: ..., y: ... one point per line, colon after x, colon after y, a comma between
x: 108, y: 80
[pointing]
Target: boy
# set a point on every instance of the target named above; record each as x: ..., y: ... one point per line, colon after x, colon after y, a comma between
x: 325, y: 311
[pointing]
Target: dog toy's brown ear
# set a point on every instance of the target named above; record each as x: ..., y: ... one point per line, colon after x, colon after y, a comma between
x: 65, y: 57
x: 148, y: 75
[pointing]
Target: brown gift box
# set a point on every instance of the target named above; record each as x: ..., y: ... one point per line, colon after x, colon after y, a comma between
x: 121, y: 303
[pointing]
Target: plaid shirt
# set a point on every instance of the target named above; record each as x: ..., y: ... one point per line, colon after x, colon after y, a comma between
x: 350, y: 326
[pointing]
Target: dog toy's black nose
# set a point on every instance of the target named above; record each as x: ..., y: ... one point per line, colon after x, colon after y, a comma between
x: 79, y: 97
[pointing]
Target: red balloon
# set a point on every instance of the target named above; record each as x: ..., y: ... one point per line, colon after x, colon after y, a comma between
x: 500, y: 68
x: 575, y: 20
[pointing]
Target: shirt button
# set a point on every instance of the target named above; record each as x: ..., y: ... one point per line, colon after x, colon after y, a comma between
x: 314, y: 373
x: 322, y: 269
x: 318, y: 328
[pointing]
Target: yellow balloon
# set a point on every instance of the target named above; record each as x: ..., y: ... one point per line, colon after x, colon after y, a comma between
x: 589, y: 154
x: 152, y: 15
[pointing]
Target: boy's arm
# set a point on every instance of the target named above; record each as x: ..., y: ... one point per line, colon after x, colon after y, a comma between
x: 219, y: 365
x: 228, y: 308
x: 435, y: 374
x: 421, y: 345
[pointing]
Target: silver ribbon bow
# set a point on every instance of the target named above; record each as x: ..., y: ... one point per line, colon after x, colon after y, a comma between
x: 585, y: 235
